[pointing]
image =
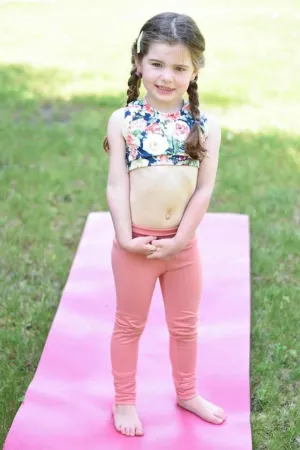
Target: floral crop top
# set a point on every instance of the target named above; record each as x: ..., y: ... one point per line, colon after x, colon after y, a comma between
x: 156, y: 138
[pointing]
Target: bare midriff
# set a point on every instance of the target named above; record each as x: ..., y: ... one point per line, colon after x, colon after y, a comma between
x: 160, y: 194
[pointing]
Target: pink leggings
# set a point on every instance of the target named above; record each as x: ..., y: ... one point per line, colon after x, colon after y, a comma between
x: 135, y: 277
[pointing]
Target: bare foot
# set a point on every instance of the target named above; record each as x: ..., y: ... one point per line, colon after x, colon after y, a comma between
x: 127, y: 421
x: 204, y: 409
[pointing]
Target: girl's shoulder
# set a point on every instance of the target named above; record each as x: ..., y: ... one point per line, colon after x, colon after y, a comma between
x: 213, y: 129
x: 116, y: 121
x: 117, y: 116
x: 120, y: 118
x: 211, y: 119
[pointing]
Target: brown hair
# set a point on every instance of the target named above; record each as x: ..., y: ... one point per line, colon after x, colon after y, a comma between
x: 171, y: 28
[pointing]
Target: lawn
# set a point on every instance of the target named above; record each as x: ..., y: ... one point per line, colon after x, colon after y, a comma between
x: 64, y: 69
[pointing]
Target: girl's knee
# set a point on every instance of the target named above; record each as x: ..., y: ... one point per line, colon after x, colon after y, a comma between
x: 128, y: 325
x: 185, y: 327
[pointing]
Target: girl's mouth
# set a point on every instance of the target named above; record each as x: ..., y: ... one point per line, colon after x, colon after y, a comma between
x: 164, y: 89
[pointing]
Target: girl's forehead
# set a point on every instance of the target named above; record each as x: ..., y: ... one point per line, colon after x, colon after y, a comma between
x: 172, y: 54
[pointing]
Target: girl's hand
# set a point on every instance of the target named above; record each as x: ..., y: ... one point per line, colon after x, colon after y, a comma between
x: 164, y: 248
x: 141, y: 245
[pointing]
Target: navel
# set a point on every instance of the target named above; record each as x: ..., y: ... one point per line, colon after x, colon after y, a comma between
x: 168, y: 214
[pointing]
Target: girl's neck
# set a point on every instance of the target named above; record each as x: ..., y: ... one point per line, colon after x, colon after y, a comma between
x: 165, y: 107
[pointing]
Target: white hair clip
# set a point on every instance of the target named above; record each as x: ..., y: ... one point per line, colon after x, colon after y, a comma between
x: 138, y: 44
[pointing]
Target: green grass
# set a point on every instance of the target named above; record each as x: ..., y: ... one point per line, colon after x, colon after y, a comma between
x: 64, y: 70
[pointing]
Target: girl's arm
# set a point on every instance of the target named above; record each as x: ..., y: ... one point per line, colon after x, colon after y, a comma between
x: 200, y: 200
x: 118, y: 190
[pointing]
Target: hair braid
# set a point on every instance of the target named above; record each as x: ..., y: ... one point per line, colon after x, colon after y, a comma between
x: 193, y: 145
x: 134, y: 84
x: 133, y: 91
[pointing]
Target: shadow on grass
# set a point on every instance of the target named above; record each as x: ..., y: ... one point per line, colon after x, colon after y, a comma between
x: 25, y: 84
x: 53, y: 173
x: 24, y: 87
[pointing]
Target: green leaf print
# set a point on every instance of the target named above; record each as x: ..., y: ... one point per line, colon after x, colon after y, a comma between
x: 175, y: 146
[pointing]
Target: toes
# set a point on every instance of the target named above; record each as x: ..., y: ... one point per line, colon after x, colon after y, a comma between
x: 219, y: 418
x: 220, y: 413
x: 125, y: 430
x: 139, y: 432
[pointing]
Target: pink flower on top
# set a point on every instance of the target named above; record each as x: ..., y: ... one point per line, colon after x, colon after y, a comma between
x: 133, y: 143
x: 133, y: 152
x: 148, y: 108
x: 154, y: 127
x: 174, y: 116
x: 164, y: 158
x: 181, y: 130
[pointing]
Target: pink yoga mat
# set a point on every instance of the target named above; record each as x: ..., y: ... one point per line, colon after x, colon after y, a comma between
x: 68, y: 404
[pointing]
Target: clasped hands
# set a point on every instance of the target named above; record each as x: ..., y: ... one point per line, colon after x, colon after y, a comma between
x: 154, y: 248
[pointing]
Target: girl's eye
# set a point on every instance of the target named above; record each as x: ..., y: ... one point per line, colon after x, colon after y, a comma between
x: 179, y: 69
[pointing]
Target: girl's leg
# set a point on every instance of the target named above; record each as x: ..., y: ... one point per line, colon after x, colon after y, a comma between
x: 135, y: 279
x: 181, y: 289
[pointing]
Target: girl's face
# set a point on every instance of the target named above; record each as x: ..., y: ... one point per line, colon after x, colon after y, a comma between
x: 167, y: 71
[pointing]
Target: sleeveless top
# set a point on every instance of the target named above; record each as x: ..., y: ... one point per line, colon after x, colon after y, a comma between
x: 154, y: 138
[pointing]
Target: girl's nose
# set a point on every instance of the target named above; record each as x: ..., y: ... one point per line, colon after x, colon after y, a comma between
x: 166, y: 76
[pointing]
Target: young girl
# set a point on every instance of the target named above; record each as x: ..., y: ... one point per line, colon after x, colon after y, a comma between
x: 163, y: 162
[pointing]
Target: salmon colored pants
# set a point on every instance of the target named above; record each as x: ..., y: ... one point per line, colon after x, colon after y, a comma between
x: 135, y: 276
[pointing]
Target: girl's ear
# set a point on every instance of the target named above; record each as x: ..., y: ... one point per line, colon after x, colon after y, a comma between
x: 194, y: 75
x: 138, y: 65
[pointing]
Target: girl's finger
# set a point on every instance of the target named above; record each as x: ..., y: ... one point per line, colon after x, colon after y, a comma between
x: 152, y: 255
x: 151, y: 248
x: 156, y: 243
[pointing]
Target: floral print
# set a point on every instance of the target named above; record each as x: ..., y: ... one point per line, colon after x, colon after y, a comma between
x: 156, y: 138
